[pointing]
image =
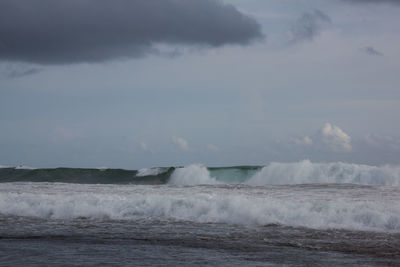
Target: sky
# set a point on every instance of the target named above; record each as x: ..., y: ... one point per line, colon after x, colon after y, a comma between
x: 146, y: 83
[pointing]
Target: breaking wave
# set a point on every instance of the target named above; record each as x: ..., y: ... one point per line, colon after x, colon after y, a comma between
x: 306, y: 172
x: 195, y: 174
x: 86, y: 176
x: 303, y: 172
x: 313, y: 206
x: 151, y: 172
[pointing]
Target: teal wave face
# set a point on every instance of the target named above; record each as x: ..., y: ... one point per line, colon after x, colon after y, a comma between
x: 303, y: 172
x: 228, y: 175
x: 236, y: 175
x: 82, y: 176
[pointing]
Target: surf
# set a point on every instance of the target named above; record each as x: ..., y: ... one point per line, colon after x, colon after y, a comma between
x: 275, y: 173
x: 352, y: 207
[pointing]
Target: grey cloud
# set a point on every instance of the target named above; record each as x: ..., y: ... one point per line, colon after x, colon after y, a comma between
x: 304, y: 141
x: 375, y: 1
x: 73, y: 31
x: 371, y: 51
x: 309, y: 25
x: 385, y: 142
x: 16, y: 71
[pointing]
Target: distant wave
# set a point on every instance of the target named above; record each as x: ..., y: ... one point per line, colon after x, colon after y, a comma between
x: 86, y: 176
x: 306, y: 172
x: 303, y: 172
x: 195, y: 174
x: 151, y: 172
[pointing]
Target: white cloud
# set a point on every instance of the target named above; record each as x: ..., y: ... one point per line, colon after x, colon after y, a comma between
x: 305, y: 141
x: 335, y: 138
x: 330, y: 137
x: 181, y: 143
x: 213, y: 148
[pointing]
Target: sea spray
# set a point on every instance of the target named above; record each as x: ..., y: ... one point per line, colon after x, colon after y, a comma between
x: 352, y: 207
x: 303, y: 172
x: 306, y: 172
x: 194, y: 174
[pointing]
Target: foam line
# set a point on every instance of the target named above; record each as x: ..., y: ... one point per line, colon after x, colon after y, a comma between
x: 320, y: 207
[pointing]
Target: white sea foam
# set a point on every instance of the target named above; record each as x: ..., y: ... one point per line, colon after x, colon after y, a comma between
x: 319, y: 207
x: 150, y: 171
x: 306, y: 172
x: 22, y: 167
x: 4, y: 167
x: 195, y: 174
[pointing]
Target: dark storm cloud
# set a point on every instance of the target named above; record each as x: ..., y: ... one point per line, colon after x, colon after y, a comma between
x: 371, y: 51
x: 23, y: 72
x: 71, y: 31
x: 17, y: 70
x: 309, y: 25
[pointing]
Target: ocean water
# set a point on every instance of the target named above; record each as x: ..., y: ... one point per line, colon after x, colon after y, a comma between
x: 297, y: 214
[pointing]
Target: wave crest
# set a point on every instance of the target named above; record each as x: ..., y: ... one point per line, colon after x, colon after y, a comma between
x: 303, y: 172
x: 195, y: 174
x: 306, y: 172
x: 345, y: 207
x: 151, y: 171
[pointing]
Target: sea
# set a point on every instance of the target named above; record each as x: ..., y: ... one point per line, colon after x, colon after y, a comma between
x: 280, y: 214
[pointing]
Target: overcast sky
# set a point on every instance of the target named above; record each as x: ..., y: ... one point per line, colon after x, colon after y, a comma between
x: 143, y: 83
